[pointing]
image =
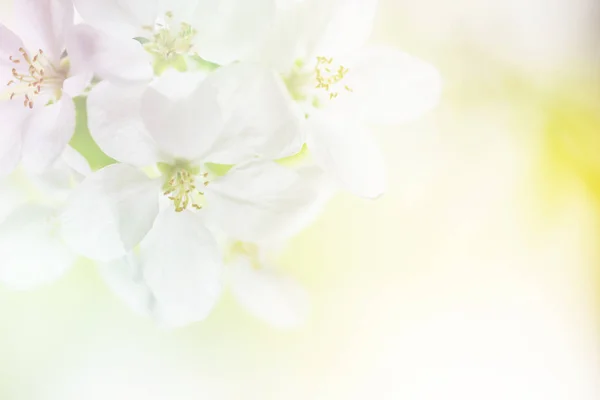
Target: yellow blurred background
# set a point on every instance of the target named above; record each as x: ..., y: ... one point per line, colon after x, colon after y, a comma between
x: 475, y: 277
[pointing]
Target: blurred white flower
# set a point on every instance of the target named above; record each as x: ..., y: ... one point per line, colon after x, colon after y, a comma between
x: 31, y: 248
x: 37, y: 113
x: 263, y: 290
x: 318, y: 47
x: 168, y: 31
x: 259, y: 288
x: 177, y: 123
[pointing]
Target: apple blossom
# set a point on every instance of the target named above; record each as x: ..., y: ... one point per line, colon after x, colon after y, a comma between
x: 259, y: 288
x: 342, y: 85
x: 37, y: 113
x: 31, y: 247
x: 132, y: 34
x: 162, y: 221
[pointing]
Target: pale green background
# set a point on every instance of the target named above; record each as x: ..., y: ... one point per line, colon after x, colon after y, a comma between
x: 472, y: 278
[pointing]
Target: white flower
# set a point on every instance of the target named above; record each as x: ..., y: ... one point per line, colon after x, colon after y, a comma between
x: 259, y: 288
x: 177, y: 123
x: 341, y: 86
x: 37, y: 113
x: 31, y: 248
x: 168, y: 32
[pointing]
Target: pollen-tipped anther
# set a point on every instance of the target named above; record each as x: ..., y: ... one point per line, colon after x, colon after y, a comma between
x: 35, y: 77
x: 327, y: 79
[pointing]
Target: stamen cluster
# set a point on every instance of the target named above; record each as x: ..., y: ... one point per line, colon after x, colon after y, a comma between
x: 168, y: 42
x: 40, y: 73
x: 328, y: 77
x: 181, y: 189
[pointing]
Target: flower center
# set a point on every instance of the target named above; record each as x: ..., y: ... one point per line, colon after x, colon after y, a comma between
x: 330, y: 76
x: 181, y: 186
x: 169, y: 39
x: 32, y: 76
x: 313, y: 86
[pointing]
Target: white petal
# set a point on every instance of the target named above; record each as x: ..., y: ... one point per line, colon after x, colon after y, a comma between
x: 182, y: 267
x: 31, y: 250
x: 44, y: 24
x: 347, y: 152
x: 77, y: 84
x: 12, y: 119
x: 49, y: 130
x: 391, y: 87
x: 54, y: 185
x: 176, y: 85
x: 263, y: 201
x: 186, y: 273
x: 187, y: 126
x: 9, y: 46
x: 343, y: 26
x: 122, y: 18
x: 110, y: 212
x: 275, y: 298
x: 229, y: 30
x: 310, y: 28
x: 125, y: 278
x: 76, y: 162
x: 286, y: 41
x: 261, y: 118
x: 115, y: 123
x: 181, y: 9
x: 56, y: 182
x: 120, y: 60
x: 12, y: 196
x: 10, y: 152
x: 318, y: 189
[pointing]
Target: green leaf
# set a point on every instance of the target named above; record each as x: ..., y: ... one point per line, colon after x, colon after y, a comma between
x: 142, y: 40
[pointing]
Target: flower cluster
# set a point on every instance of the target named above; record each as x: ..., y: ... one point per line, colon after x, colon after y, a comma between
x: 225, y: 125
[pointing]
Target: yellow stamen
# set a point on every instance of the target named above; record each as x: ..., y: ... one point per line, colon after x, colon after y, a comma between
x: 326, y: 79
x: 181, y: 188
x: 169, y: 41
